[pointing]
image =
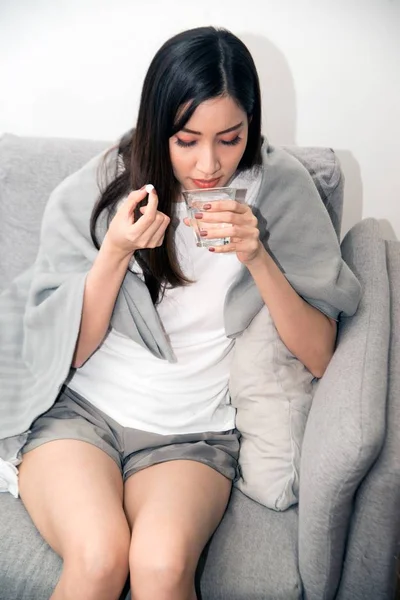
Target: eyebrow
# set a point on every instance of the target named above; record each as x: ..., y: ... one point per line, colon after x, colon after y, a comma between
x: 234, y: 128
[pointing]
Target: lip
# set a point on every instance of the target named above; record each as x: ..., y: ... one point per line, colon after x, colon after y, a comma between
x: 206, y: 183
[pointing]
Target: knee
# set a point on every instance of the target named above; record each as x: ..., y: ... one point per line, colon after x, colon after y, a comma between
x: 105, y: 563
x: 99, y: 563
x: 161, y: 572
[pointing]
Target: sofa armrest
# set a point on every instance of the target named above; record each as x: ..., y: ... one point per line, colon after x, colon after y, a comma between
x: 346, y: 426
x: 370, y: 567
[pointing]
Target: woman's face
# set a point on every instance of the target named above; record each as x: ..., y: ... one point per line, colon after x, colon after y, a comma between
x: 207, y: 151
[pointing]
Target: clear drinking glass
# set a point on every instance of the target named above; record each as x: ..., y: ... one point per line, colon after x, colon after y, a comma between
x: 195, y: 199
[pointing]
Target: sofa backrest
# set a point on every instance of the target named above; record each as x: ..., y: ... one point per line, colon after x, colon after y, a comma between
x: 30, y: 168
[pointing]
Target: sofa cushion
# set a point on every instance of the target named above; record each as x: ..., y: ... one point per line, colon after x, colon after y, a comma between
x: 346, y: 425
x: 272, y: 392
x: 30, y: 168
x: 374, y: 521
x: 252, y: 555
x: 29, y: 569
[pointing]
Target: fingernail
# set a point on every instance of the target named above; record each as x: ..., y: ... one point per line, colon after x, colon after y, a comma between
x: 198, y: 216
x: 149, y: 188
x: 211, y: 249
x: 206, y: 206
x: 142, y: 188
x: 203, y: 232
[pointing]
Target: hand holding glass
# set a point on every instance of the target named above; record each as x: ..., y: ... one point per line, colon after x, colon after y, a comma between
x: 195, y: 200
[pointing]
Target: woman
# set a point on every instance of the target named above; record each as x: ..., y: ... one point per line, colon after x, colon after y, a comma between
x: 131, y: 469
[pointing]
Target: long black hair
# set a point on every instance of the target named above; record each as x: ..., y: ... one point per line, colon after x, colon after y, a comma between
x: 193, y: 66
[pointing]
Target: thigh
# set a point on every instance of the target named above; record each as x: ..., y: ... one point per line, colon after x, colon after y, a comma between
x: 175, y: 507
x: 73, y: 492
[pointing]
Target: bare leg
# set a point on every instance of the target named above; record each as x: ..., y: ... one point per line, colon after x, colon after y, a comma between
x: 73, y: 492
x: 173, y: 509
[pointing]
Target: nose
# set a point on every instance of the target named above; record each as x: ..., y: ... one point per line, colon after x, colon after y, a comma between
x: 207, y: 161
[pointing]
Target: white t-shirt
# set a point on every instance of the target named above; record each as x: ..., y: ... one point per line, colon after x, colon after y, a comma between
x: 138, y: 390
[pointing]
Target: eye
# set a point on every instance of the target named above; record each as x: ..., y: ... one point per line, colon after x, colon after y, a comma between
x: 183, y: 144
x: 233, y: 142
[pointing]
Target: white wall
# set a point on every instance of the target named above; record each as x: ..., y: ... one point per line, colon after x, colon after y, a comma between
x: 330, y: 72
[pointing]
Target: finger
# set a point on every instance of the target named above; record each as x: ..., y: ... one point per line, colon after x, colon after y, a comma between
x: 161, y: 222
x: 151, y: 207
x: 236, y: 245
x: 230, y: 231
x: 151, y: 192
x: 225, y: 249
x: 133, y: 199
x: 143, y: 210
x: 160, y: 218
x: 187, y: 222
x: 220, y: 217
x: 225, y: 205
x: 149, y: 216
x: 156, y: 236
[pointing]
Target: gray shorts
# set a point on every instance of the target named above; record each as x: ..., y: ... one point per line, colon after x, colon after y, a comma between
x: 72, y: 417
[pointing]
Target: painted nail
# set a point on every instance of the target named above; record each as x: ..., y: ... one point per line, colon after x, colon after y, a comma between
x: 203, y: 232
x: 211, y: 249
x: 198, y: 216
x: 206, y: 206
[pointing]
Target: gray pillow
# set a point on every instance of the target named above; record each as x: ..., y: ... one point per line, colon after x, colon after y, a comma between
x: 272, y: 392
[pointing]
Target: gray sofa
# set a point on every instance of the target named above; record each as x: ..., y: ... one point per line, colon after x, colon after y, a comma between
x: 342, y: 540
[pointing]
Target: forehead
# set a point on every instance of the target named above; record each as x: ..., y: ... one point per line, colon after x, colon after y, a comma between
x: 216, y: 114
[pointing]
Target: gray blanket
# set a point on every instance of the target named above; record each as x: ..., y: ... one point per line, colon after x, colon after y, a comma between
x: 40, y: 312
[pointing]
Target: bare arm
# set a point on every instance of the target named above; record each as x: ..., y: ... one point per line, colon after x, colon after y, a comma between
x: 105, y: 278
x: 101, y: 289
x: 308, y: 334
